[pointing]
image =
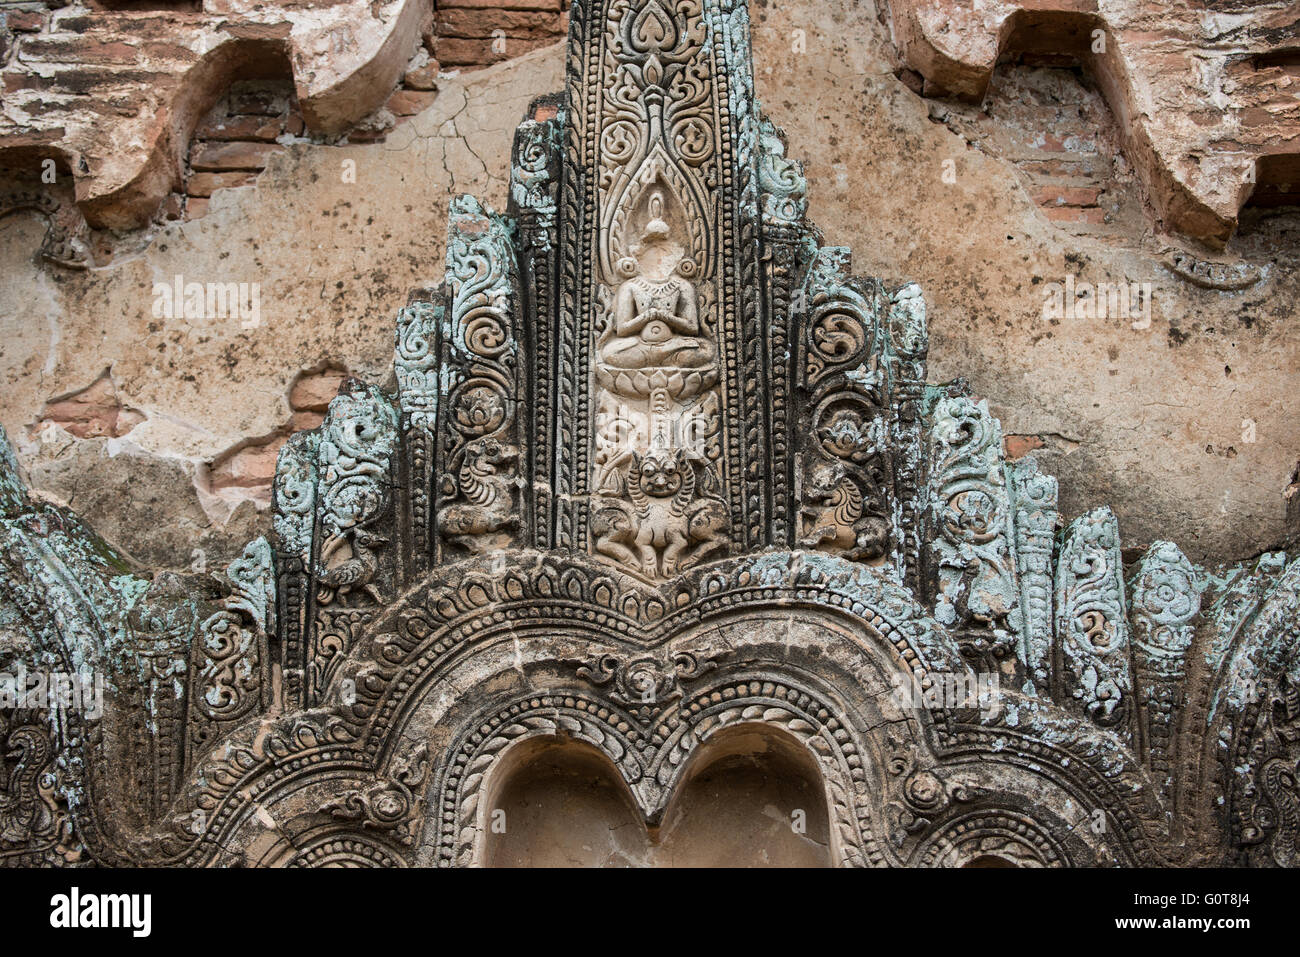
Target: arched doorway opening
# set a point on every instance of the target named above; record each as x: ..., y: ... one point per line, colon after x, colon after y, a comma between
x: 751, y: 797
x: 560, y: 803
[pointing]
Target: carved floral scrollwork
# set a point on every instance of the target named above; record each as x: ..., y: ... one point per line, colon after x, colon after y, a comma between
x: 415, y: 363
x: 1092, y: 623
x: 478, y: 495
x: 645, y: 685
x: 358, y: 440
x: 394, y: 804
x: 782, y: 180
x: 230, y: 668
x: 972, y: 552
x: 1165, y: 600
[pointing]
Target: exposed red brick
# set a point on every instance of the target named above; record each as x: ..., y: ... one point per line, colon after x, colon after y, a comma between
x: 1062, y: 167
x: 314, y: 391
x: 239, y: 128
x: 304, y: 421
x: 1049, y: 195
x: 26, y: 21
x: 257, y: 31
x: 423, y: 77
x: 250, y: 467
x: 94, y: 412
x: 555, y: 5
x: 172, y: 207
x: 217, y: 157
x: 1018, y: 446
x: 196, y: 207
x: 485, y: 23
x: 1074, y: 214
x: 458, y: 52
x: 76, y: 50
x: 205, y: 184
x: 410, y: 102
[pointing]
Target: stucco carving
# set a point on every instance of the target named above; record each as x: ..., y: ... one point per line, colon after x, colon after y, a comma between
x: 658, y: 470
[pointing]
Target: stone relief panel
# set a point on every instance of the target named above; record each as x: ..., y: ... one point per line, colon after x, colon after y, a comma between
x: 657, y: 468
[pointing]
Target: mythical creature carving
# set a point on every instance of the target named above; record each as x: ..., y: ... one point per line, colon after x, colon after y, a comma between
x: 836, y: 518
x: 649, y: 410
x: 670, y: 525
x: 485, y: 496
x: 350, y: 562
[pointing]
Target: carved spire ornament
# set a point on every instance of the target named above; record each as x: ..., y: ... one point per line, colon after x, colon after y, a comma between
x: 658, y: 468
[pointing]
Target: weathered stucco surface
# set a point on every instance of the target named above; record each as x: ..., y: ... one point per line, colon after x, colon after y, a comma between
x: 1186, y: 428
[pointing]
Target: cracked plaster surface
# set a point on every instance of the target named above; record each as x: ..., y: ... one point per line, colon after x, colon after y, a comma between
x: 1147, y: 417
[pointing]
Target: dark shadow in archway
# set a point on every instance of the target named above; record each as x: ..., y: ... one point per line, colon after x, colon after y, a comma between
x: 750, y: 798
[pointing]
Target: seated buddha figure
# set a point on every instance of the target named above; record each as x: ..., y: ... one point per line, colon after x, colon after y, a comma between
x: 656, y: 319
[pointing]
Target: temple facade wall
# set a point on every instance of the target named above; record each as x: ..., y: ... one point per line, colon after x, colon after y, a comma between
x: 1167, y: 397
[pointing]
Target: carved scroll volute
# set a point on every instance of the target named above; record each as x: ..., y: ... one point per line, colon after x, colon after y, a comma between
x: 971, y: 554
x: 1092, y: 630
x: 846, y: 479
x: 1165, y: 600
x: 481, y: 435
x: 230, y: 673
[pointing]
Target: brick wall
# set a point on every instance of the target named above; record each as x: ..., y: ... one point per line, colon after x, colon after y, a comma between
x: 471, y: 34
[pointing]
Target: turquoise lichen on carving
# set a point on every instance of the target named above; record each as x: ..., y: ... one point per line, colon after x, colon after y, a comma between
x: 416, y: 365
x: 1034, y: 506
x: 1092, y: 621
x: 971, y: 510
x: 443, y: 571
x: 782, y: 180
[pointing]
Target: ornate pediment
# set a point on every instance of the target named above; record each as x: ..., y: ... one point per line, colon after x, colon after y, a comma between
x: 658, y: 464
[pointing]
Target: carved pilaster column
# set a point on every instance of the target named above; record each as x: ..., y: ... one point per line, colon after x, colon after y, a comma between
x: 784, y: 207
x: 354, y: 566
x: 419, y: 386
x: 293, y: 528
x: 978, y: 598
x: 1034, y: 511
x: 910, y: 338
x: 535, y: 178
x: 481, y: 428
